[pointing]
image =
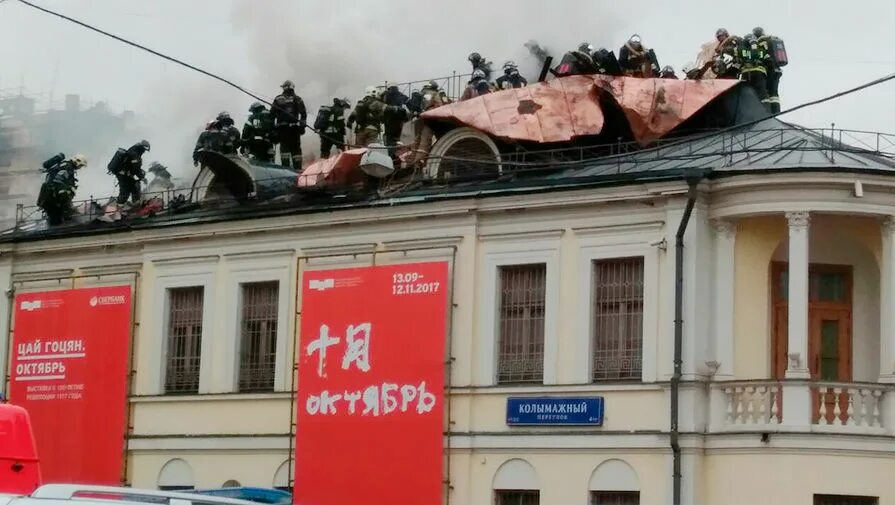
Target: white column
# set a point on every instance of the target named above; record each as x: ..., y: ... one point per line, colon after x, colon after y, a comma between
x: 887, y: 303
x: 723, y: 324
x: 798, y: 295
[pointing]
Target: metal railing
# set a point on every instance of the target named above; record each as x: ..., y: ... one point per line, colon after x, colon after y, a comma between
x: 607, y: 158
x: 452, y: 85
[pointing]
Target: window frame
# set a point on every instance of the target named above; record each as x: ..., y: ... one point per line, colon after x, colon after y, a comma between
x: 526, y: 327
x: 519, y: 249
x: 592, y: 496
x: 167, y: 339
x: 498, y: 500
x: 240, y: 336
x: 593, y: 315
x: 588, y: 254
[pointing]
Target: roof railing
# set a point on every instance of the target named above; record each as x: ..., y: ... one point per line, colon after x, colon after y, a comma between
x: 617, y: 157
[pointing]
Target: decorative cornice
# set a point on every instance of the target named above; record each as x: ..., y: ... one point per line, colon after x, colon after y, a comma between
x: 798, y: 220
x: 724, y: 227
x: 888, y: 224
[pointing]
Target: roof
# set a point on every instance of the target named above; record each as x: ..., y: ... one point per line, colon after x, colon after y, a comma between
x: 563, y: 109
x: 767, y: 146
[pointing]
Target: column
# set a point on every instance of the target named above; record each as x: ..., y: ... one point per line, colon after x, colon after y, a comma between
x: 723, y: 324
x: 797, y: 367
x: 887, y: 302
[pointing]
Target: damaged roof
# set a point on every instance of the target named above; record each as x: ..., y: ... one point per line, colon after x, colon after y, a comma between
x: 563, y: 109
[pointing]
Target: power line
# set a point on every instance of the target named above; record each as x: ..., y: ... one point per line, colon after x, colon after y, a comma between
x: 148, y: 50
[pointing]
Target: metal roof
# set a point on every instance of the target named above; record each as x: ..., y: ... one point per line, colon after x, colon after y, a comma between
x: 769, y: 145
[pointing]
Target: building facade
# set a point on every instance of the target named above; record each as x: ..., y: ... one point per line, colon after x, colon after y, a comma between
x: 788, y: 348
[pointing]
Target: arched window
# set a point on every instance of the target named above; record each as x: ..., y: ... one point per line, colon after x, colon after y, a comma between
x: 614, y: 482
x: 281, y: 477
x: 516, y: 483
x: 176, y: 475
x: 231, y: 483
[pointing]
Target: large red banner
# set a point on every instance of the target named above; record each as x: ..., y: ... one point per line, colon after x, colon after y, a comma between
x: 69, y: 370
x: 370, y: 385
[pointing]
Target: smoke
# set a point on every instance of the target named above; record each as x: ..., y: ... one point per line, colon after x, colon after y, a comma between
x: 339, y: 48
x: 539, y: 52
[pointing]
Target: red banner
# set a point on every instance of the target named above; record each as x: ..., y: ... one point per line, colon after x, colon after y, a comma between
x: 370, y: 385
x: 69, y: 370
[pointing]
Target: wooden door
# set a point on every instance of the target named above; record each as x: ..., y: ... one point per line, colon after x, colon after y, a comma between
x: 830, y: 359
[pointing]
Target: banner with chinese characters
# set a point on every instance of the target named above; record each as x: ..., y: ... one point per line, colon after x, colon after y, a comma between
x: 69, y: 370
x: 370, y: 385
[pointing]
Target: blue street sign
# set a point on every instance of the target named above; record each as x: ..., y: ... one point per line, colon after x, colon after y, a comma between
x: 555, y: 411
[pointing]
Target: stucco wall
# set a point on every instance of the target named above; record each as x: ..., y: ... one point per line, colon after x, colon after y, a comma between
x: 793, y: 479
x: 837, y: 240
x: 756, y: 240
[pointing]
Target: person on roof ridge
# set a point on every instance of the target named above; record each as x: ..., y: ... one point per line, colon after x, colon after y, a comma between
x: 777, y: 59
x: 480, y: 63
x: 330, y: 126
x: 477, y: 86
x: 511, y: 78
x: 227, y: 136
x: 58, y: 189
x: 755, y: 67
x: 432, y: 98
x: 127, y: 167
x: 366, y: 119
x: 205, y: 140
x: 290, y: 121
x: 636, y: 60
x: 394, y: 116
x: 257, y: 134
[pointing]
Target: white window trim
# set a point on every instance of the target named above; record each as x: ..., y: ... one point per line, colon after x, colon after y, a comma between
x: 584, y: 317
x: 519, y: 253
x: 159, y: 335
x: 231, y: 332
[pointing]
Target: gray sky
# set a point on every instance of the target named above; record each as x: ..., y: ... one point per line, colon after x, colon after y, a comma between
x: 337, y: 47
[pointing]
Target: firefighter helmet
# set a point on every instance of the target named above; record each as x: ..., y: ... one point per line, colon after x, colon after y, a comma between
x: 256, y: 106
x: 79, y: 160
x: 288, y: 85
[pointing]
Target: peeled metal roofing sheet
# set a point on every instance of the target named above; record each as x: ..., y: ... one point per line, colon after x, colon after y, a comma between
x: 562, y: 109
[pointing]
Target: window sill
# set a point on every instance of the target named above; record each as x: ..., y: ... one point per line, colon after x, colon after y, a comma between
x: 174, y: 398
x: 556, y: 388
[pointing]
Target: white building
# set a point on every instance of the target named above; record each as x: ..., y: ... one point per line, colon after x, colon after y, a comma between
x: 564, y: 286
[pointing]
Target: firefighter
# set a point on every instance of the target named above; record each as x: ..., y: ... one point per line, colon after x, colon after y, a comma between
x: 605, y: 62
x: 290, y: 120
x: 667, y: 72
x: 127, y: 167
x: 511, y: 78
x: 424, y: 135
x: 773, y: 66
x: 366, y: 119
x: 577, y: 62
x: 636, y: 60
x: 330, y: 126
x: 161, y: 178
x: 480, y: 63
x: 477, y: 86
x: 58, y: 189
x: 726, y: 63
x: 394, y: 116
x: 257, y: 133
x: 754, y: 67
x: 204, y: 142
x: 226, y: 137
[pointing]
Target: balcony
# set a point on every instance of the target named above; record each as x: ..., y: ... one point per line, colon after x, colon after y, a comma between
x: 801, y: 406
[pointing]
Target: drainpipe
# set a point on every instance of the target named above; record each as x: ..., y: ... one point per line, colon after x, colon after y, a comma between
x: 692, y: 177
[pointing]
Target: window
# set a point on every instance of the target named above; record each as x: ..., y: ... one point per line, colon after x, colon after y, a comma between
x: 839, y: 499
x: 615, y: 498
x: 513, y: 497
x: 258, y: 337
x: 618, y: 319
x: 522, y: 302
x: 184, y: 340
